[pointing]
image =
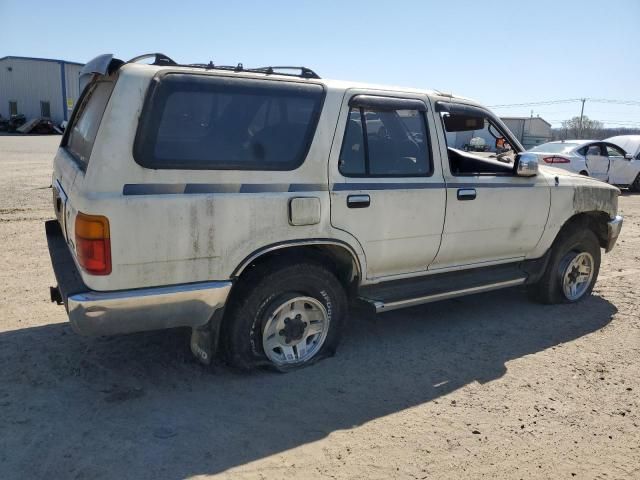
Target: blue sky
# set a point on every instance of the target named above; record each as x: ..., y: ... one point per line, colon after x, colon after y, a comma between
x: 497, y: 52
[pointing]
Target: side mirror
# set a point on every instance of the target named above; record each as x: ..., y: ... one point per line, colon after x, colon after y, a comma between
x: 628, y: 156
x: 526, y: 164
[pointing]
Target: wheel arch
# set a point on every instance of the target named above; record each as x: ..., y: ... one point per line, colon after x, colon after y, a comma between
x: 595, y: 220
x: 339, y: 256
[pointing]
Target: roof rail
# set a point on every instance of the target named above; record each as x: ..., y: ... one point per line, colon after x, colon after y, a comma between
x: 163, y: 60
x: 159, y: 59
x: 304, y: 71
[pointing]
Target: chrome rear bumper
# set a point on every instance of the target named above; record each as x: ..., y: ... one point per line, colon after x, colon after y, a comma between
x: 110, y: 313
x: 613, y: 226
x: 125, y: 311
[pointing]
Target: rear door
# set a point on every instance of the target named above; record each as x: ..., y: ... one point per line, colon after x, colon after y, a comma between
x: 597, y: 160
x: 386, y: 186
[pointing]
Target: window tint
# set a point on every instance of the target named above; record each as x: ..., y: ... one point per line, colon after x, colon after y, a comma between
x: 199, y: 122
x: 396, y: 144
x: 86, y: 121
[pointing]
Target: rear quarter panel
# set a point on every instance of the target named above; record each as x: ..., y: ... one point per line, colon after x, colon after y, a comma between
x: 172, y: 238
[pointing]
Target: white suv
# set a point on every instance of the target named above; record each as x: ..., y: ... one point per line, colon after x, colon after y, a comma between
x: 252, y: 204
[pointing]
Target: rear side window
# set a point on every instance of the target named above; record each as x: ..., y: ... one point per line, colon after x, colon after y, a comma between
x: 85, y: 123
x: 393, y: 143
x: 200, y: 122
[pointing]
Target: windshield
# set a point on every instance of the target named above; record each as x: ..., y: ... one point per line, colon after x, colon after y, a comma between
x: 555, y: 147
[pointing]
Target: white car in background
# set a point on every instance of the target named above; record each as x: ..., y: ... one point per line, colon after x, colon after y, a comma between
x: 627, y: 171
x: 601, y: 159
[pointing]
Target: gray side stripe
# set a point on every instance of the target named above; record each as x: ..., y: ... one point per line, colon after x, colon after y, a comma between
x: 337, y: 187
x: 491, y: 185
x: 194, y: 188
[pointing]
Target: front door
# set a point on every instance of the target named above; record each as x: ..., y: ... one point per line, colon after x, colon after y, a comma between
x: 623, y: 170
x: 385, y: 189
x: 598, y: 162
x: 492, y: 215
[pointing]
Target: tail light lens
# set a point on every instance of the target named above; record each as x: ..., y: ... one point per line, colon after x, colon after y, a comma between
x: 93, y: 244
x: 556, y: 160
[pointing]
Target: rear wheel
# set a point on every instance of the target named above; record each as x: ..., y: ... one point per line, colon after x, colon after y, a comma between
x: 572, y: 269
x: 635, y: 186
x: 284, y: 317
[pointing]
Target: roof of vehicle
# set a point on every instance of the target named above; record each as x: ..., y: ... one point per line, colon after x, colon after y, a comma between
x: 526, y: 118
x: 329, y: 83
x: 629, y: 143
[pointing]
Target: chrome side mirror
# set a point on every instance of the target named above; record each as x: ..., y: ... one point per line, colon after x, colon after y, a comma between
x: 526, y: 165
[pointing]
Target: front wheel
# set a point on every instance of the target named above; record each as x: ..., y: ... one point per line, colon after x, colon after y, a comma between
x: 572, y: 269
x: 284, y: 316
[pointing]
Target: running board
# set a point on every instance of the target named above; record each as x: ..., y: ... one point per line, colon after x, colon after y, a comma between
x: 410, y: 302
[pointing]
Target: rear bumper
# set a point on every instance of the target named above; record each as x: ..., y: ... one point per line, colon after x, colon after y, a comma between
x: 125, y: 311
x: 613, y: 230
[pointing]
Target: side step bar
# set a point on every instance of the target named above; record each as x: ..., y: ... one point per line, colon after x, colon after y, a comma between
x: 381, y: 306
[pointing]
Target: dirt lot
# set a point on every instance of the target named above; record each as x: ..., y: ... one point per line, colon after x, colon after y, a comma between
x: 485, y: 386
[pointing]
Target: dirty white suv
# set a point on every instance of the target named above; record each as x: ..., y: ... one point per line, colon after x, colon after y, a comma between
x: 253, y: 205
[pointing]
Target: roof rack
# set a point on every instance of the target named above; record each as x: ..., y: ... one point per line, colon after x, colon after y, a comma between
x: 159, y: 59
x: 164, y: 60
x: 304, y: 71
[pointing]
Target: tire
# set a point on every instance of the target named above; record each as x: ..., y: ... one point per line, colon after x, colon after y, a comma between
x: 301, y: 307
x: 635, y: 186
x: 575, y: 251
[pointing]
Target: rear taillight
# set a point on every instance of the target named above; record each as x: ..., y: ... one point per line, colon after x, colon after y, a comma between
x: 93, y: 244
x: 556, y: 160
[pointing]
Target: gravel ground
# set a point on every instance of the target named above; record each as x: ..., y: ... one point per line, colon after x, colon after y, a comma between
x: 485, y: 386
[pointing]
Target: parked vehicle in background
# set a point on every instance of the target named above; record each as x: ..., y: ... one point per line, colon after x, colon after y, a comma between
x: 252, y: 204
x: 599, y: 159
x: 626, y: 172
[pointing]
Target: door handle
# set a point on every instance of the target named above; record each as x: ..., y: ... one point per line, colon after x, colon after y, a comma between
x: 358, y: 201
x: 466, y: 194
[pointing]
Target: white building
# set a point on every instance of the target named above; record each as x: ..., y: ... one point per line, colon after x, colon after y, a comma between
x: 38, y: 87
x: 531, y: 131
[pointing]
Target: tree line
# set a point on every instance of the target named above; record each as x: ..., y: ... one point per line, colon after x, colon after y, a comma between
x: 591, y: 129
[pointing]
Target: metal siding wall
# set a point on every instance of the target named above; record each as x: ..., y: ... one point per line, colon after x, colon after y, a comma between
x: 30, y: 82
x: 72, y: 74
x: 538, y: 128
x: 516, y: 126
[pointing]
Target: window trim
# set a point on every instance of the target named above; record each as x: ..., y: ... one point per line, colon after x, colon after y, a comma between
x: 355, y: 102
x: 148, y: 126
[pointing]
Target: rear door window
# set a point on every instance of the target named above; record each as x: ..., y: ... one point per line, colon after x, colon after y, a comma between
x: 84, y: 127
x: 202, y: 122
x: 393, y: 143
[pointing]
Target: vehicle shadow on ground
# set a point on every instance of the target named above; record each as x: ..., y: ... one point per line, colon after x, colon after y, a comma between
x: 139, y: 407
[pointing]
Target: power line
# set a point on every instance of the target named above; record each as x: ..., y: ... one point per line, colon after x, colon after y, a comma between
x: 633, y: 103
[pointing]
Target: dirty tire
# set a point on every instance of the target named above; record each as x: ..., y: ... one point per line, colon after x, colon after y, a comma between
x: 260, y: 291
x: 570, y: 242
x: 635, y: 186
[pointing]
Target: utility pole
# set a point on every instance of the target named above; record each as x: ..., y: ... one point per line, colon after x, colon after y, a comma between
x: 581, y: 115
